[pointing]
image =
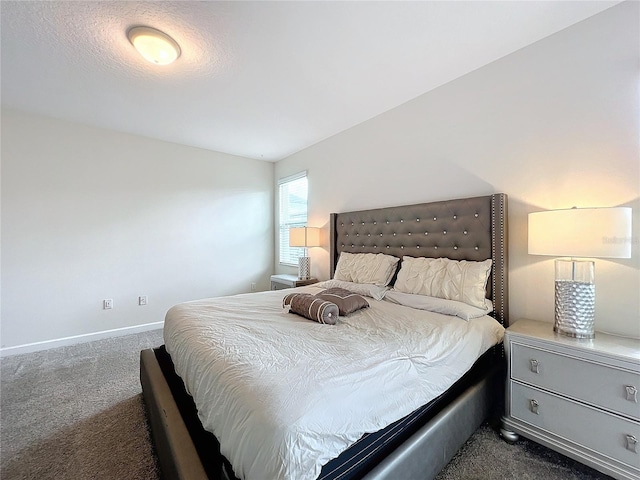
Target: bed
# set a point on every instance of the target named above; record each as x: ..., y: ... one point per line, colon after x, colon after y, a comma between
x: 416, y: 444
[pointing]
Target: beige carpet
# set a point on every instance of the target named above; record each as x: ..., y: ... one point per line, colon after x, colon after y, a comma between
x: 77, y: 413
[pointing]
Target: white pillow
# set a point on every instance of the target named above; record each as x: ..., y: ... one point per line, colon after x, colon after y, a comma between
x: 375, y: 268
x: 367, y: 289
x: 463, y: 281
x: 439, y: 305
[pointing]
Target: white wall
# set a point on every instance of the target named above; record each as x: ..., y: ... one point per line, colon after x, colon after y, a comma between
x: 89, y: 214
x: 553, y: 125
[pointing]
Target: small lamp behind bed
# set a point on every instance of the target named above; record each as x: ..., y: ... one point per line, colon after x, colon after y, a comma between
x: 304, y: 237
x: 579, y: 232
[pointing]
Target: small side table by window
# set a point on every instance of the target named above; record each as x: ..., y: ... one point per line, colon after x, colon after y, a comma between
x: 280, y: 282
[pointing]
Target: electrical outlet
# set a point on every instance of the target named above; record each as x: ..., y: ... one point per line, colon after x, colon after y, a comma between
x: 253, y: 287
x: 142, y: 300
x: 107, y: 303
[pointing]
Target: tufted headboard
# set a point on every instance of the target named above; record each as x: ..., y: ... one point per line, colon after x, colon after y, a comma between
x: 461, y: 229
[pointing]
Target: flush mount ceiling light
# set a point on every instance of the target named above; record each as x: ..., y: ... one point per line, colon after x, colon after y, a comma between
x: 155, y: 46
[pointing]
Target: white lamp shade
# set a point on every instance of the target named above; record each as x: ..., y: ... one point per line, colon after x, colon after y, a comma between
x: 581, y: 232
x: 304, y: 237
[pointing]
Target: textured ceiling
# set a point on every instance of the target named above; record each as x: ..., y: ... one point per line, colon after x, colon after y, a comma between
x: 256, y: 79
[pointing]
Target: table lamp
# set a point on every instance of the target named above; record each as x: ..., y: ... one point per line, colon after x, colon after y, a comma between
x: 304, y: 237
x: 579, y: 232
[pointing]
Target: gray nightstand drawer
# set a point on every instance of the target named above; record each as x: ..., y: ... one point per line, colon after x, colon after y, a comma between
x: 601, y: 385
x: 601, y: 432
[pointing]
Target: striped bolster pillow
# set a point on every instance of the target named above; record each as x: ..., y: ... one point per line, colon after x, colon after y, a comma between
x: 311, y: 307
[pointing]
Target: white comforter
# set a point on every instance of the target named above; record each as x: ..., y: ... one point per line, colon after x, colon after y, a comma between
x: 284, y: 395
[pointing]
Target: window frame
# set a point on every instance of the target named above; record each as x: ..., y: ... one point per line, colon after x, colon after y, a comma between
x: 292, y: 253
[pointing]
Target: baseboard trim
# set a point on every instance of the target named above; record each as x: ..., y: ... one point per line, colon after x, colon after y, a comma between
x: 87, y: 337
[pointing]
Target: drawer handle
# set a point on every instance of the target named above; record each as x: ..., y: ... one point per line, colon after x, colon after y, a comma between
x: 534, y: 408
x: 534, y: 365
x: 632, y: 443
x: 632, y: 393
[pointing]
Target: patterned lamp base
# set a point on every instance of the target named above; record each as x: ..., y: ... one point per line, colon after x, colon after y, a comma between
x: 575, y: 299
x: 304, y: 268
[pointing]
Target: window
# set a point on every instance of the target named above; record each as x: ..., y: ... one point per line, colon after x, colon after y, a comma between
x: 293, y: 213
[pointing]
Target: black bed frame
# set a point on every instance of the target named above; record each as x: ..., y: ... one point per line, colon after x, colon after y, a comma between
x: 469, y: 229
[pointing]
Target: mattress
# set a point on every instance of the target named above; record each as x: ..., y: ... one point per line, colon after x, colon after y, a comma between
x: 284, y: 395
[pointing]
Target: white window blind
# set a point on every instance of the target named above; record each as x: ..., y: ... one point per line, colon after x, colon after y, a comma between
x: 293, y: 213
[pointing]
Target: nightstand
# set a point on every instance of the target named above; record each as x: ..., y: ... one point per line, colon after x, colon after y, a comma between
x: 279, y: 282
x: 579, y: 397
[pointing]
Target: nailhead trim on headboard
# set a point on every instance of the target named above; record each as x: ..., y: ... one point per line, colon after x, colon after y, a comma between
x: 500, y: 261
x: 462, y: 229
